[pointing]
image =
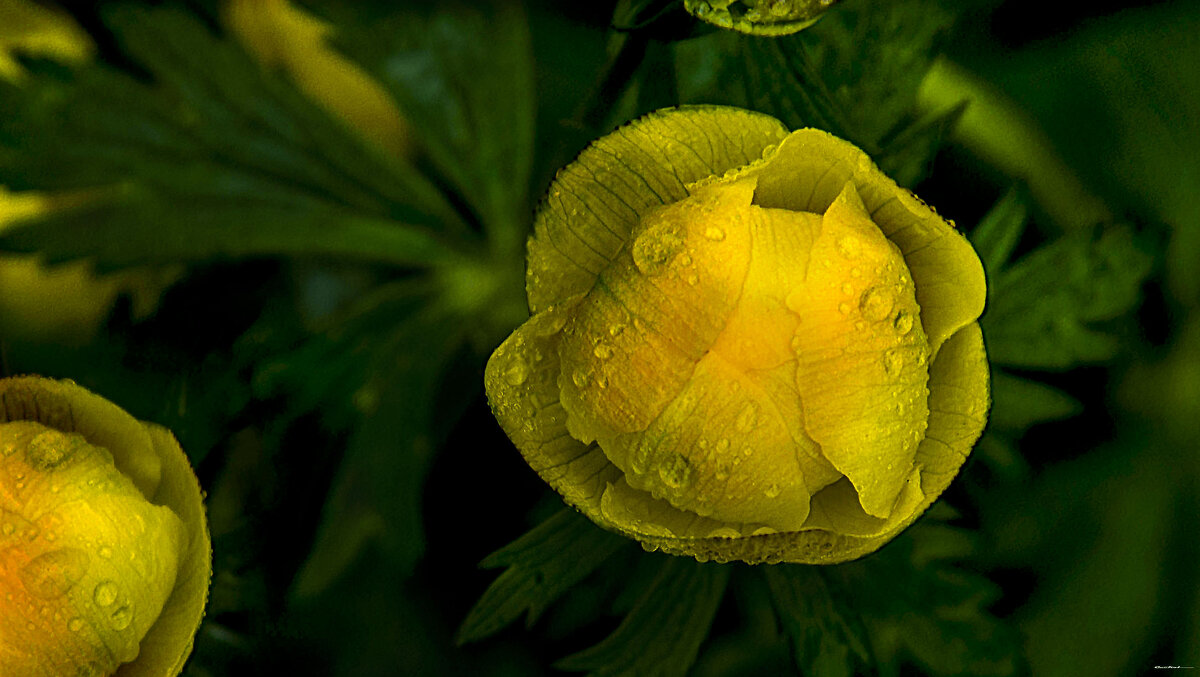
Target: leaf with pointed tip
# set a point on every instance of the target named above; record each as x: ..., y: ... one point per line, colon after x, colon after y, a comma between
x: 997, y: 233
x: 463, y: 74
x: 213, y: 159
x: 542, y: 565
x: 663, y: 632
x: 1045, y: 308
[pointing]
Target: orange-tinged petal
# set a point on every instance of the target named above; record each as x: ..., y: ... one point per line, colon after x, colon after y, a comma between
x: 104, y: 555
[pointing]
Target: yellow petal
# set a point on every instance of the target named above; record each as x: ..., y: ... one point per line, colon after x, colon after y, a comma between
x: 809, y: 169
x: 521, y: 380
x: 862, y: 355
x: 119, y: 546
x: 596, y: 201
x: 92, y: 571
x: 630, y: 345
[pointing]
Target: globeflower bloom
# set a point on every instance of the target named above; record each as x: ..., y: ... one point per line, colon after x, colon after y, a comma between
x: 105, y: 555
x: 745, y: 344
x: 759, y: 17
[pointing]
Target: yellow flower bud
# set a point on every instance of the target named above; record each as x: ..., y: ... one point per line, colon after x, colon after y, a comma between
x: 745, y: 343
x: 282, y: 37
x: 105, y: 556
x: 759, y: 17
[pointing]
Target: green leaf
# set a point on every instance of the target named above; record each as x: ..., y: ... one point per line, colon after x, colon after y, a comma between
x: 139, y: 227
x: 1045, y: 307
x: 463, y: 74
x: 997, y: 234
x: 663, y: 632
x: 542, y: 565
x: 855, y: 74
x: 825, y: 639
x: 213, y: 158
x: 376, y: 494
x: 1018, y: 403
x: 917, y: 605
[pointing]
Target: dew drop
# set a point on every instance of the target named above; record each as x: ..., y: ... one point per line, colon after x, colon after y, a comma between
x: 8, y: 448
x: 640, y: 456
x: 121, y: 617
x: 49, y: 449
x: 844, y: 308
x: 52, y: 574
x: 676, y: 472
x: 722, y: 446
x: 715, y: 234
x: 724, y: 532
x: 75, y: 624
x: 615, y: 330
x: 764, y: 531
x: 773, y: 491
x: 580, y: 378
x: 849, y: 247
x: 654, y: 247
x: 747, y: 419
x: 893, y: 361
x: 692, y: 279
x: 602, y: 351
x: 517, y: 372
x: 903, y: 323
x: 847, y: 288
x: 105, y: 593
x: 876, y: 304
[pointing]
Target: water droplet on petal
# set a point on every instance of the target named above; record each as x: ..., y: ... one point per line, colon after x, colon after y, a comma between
x: 849, y: 246
x: 580, y: 378
x: 105, y: 593
x: 715, y: 234
x: 615, y: 330
x: 654, y: 247
x: 676, y: 472
x: 844, y: 308
x: 517, y: 372
x: 121, y: 617
x: 747, y: 419
x: 876, y: 304
x: 75, y: 624
x: 903, y: 323
x: 724, y: 532
x: 602, y: 351
x: 773, y: 491
x: 893, y: 361
x: 49, y: 449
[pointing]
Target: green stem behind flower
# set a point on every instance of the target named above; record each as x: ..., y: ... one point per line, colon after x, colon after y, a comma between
x: 1001, y: 133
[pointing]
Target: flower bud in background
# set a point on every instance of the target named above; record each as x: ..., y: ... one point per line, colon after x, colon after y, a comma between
x: 745, y: 343
x: 759, y: 17
x: 289, y: 40
x: 105, y: 555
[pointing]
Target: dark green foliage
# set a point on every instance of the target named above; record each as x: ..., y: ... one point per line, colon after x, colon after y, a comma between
x: 1046, y: 308
x: 542, y: 565
x: 663, y: 632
